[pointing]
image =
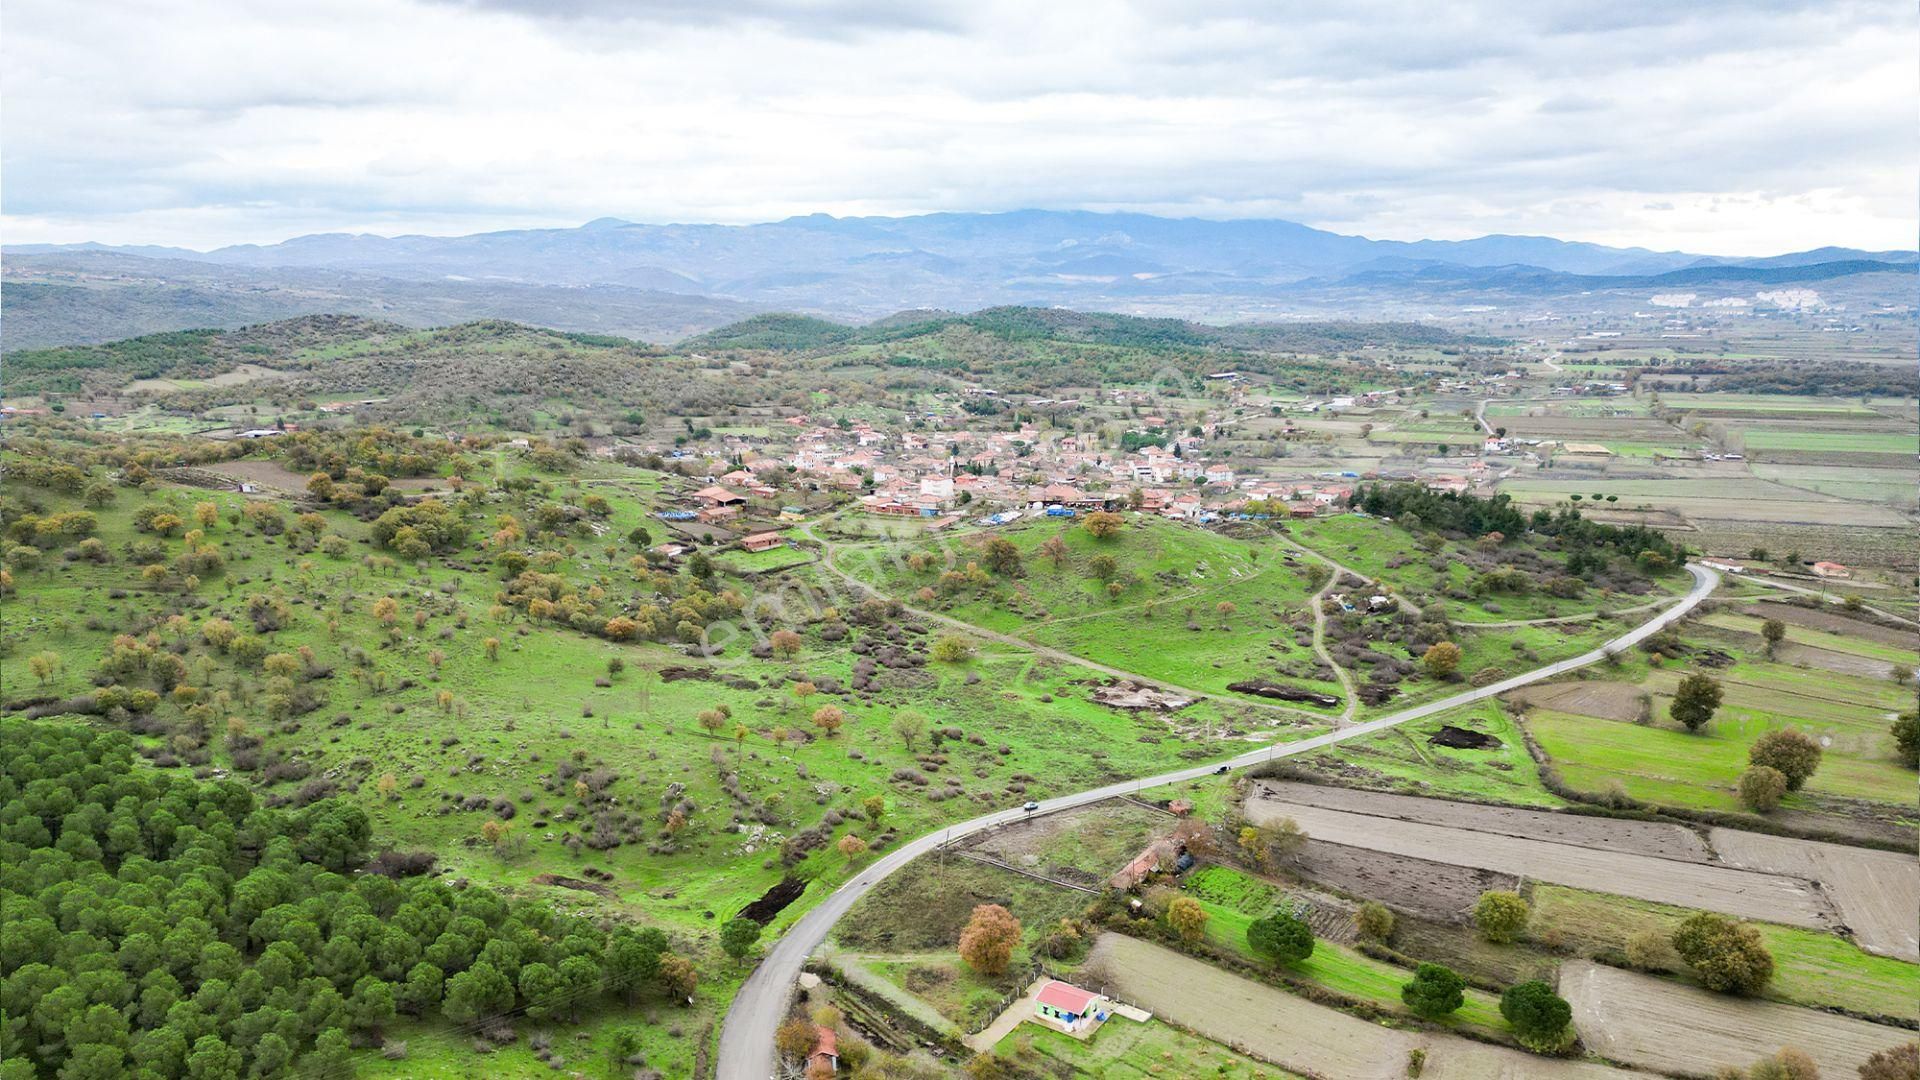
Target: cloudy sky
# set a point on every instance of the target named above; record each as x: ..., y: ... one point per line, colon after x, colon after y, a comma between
x: 1719, y: 126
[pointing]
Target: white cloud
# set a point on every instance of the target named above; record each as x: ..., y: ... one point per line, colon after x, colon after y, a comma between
x: 1729, y: 127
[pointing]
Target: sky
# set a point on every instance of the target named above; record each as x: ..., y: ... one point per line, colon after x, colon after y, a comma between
x: 1730, y: 127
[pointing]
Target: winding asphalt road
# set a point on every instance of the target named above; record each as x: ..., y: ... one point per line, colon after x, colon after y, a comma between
x: 746, y: 1040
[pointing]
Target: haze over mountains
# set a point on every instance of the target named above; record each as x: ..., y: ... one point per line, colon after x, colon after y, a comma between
x: 664, y: 282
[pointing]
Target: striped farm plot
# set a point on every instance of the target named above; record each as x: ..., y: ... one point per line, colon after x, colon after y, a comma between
x: 1615, y: 868
x: 1654, y: 1023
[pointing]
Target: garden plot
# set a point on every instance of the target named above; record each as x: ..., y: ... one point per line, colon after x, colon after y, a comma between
x: 1438, y: 890
x: 1835, y: 623
x: 1604, y: 700
x: 1746, y: 893
x: 1296, y: 1034
x: 1638, y: 837
x: 1658, y: 1024
x: 1877, y: 892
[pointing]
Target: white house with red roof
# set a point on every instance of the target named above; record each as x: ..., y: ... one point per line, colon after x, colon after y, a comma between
x: 1068, y: 1008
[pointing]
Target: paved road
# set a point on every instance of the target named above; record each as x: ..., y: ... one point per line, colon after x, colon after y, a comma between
x: 746, y: 1039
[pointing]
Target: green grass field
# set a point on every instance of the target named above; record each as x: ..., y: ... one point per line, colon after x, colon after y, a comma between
x: 1847, y: 442
x: 1662, y: 763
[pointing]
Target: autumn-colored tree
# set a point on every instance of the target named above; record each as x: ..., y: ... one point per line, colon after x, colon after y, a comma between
x: 1790, y: 751
x: 1187, y: 918
x: 829, y: 718
x: 785, y: 644
x: 492, y: 648
x: 851, y: 847
x: 801, y: 691
x: 795, y: 1039
x: 386, y: 610
x: 678, y: 977
x: 1055, y: 548
x: 712, y: 720
x: 1225, y: 610
x: 1101, y: 524
x: 1441, y: 659
x: 988, y: 941
x: 44, y: 665
x: 1761, y: 788
x: 952, y: 649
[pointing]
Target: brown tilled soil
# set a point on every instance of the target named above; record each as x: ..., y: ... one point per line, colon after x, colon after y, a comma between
x: 1659, y: 1024
x: 1437, y: 890
x: 1606, y: 700
x: 1835, y: 623
x: 1313, y: 1040
x: 1877, y: 892
x: 1807, y: 656
x: 1614, y: 868
x: 1640, y: 837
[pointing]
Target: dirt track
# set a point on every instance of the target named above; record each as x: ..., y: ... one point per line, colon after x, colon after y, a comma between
x: 1297, y: 1034
x: 1658, y: 1024
x: 1745, y: 893
x: 1877, y: 892
x: 1639, y: 837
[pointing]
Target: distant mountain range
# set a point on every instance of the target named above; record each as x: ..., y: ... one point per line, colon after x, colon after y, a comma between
x: 664, y: 281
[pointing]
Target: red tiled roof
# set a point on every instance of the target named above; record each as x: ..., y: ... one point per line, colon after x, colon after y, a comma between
x: 1066, y: 997
x: 828, y: 1043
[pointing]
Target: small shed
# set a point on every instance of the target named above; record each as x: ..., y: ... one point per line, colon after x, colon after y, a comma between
x: 762, y: 541
x: 1831, y: 570
x: 826, y: 1049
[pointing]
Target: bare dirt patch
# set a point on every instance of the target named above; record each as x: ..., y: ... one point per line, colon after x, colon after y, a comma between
x: 1604, y: 700
x: 1877, y: 892
x: 1613, y: 868
x: 1082, y: 846
x: 1439, y: 890
x: 1639, y: 837
x: 1296, y: 1034
x: 1834, y: 623
x: 1808, y: 656
x: 1658, y: 1024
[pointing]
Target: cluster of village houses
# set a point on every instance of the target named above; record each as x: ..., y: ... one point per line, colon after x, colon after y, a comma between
x: 940, y: 475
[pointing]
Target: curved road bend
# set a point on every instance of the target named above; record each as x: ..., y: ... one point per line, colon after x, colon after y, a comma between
x: 746, y: 1039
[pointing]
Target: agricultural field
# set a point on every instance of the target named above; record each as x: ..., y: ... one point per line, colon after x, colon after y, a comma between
x: 1834, y: 687
x: 1130, y: 1051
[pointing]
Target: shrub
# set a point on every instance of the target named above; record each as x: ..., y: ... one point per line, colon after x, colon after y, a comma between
x: 1374, y: 920
x: 1790, y: 751
x: 1538, y: 1015
x: 1894, y: 1063
x: 1725, y: 955
x: 1281, y: 937
x: 1434, y: 992
x: 1500, y: 915
x: 1187, y: 918
x: 1761, y: 788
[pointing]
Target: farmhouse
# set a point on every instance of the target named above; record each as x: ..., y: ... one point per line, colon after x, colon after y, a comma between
x: 1068, y: 1008
x: 762, y: 541
x: 1831, y: 570
x: 718, y: 496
